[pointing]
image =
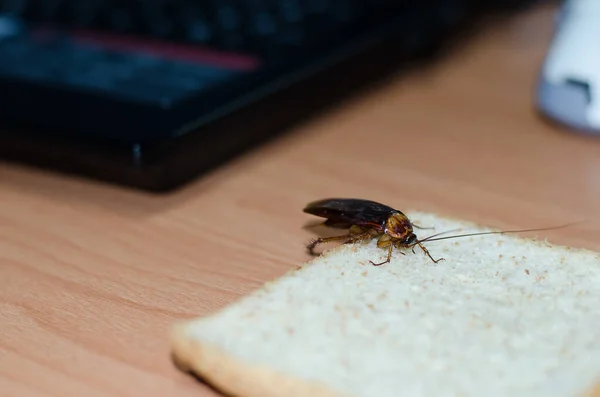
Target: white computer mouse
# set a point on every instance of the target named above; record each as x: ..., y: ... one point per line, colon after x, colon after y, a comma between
x: 569, y: 84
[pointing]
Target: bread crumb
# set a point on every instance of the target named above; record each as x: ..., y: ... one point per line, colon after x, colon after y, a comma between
x: 364, y: 273
x: 539, y: 278
x: 527, y: 271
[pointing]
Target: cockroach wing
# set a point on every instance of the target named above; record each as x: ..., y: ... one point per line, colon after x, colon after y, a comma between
x: 343, y: 212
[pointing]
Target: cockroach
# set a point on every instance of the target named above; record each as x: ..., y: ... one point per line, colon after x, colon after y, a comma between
x: 366, y: 219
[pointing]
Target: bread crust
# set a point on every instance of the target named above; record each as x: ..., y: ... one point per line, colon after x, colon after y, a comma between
x: 233, y: 377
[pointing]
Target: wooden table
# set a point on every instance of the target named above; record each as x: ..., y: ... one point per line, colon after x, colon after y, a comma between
x: 93, y: 276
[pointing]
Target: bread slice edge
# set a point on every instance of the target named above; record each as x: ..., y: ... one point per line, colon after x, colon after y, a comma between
x: 232, y: 377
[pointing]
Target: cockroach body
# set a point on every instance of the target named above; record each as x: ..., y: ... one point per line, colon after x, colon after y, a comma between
x: 366, y: 219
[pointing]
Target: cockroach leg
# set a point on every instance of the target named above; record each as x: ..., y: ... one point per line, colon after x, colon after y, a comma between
x: 322, y: 240
x: 350, y: 238
x: 384, y: 241
x: 359, y: 237
x: 389, y: 257
x: 428, y: 254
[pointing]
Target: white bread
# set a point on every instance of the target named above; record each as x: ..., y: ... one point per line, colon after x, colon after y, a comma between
x: 501, y: 316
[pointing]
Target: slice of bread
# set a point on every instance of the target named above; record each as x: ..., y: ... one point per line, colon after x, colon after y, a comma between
x: 500, y: 316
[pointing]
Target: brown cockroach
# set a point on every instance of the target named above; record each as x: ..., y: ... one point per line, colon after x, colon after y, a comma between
x: 367, y: 219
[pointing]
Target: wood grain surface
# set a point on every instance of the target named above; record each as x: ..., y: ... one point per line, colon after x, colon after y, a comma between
x: 93, y: 276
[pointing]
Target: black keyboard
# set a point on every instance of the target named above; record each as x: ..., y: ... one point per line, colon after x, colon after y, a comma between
x: 151, y: 93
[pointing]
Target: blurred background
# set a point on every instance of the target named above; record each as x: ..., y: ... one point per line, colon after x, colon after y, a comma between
x: 151, y: 93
